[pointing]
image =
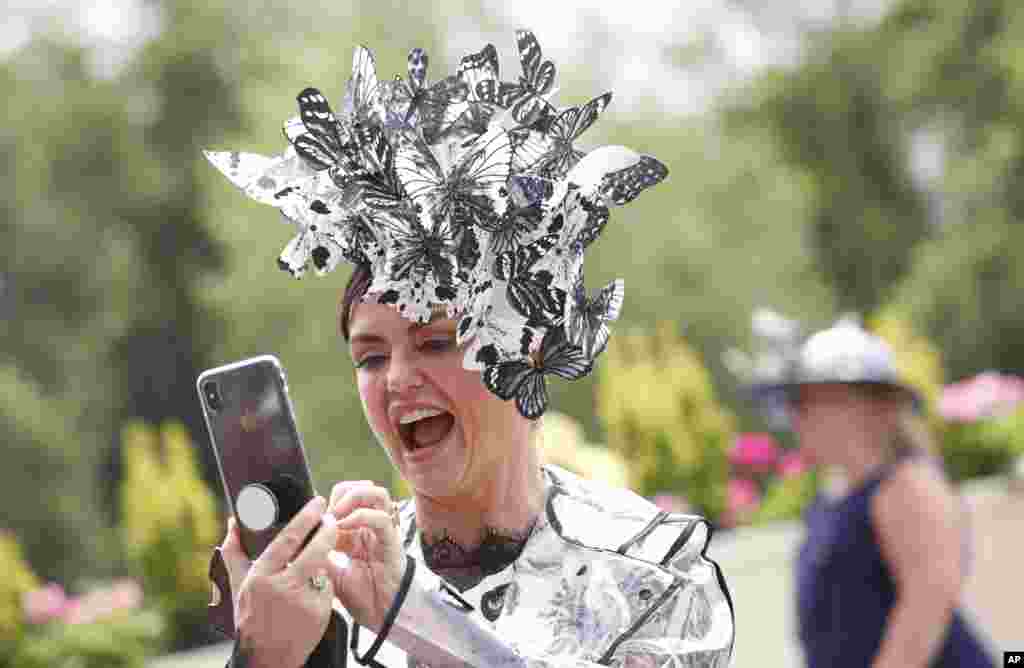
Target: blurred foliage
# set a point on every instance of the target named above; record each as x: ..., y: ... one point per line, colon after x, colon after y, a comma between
x: 918, y: 361
x: 168, y: 536
x: 562, y: 441
x: 786, y: 497
x: 100, y: 629
x: 122, y: 641
x: 908, y: 132
x: 675, y: 437
x: 17, y: 581
x: 982, y: 448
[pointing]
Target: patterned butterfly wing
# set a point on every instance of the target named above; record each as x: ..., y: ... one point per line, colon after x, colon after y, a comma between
x: 379, y: 183
x: 477, y: 67
x: 499, y: 93
x: 531, y: 293
x: 317, y: 140
x: 538, y: 74
x: 565, y: 129
x: 262, y: 177
x: 561, y: 358
x: 531, y: 149
x: 420, y: 174
x: 441, y: 105
x: 586, y: 320
x: 477, y: 183
x: 363, y: 95
x: 505, y: 378
x: 532, y: 396
x: 622, y: 186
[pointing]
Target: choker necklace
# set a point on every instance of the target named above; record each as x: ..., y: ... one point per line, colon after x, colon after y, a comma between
x: 465, y: 567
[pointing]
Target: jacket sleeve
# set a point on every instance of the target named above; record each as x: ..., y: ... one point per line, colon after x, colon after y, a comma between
x: 692, y: 626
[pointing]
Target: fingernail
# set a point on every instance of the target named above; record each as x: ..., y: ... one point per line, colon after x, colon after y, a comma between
x: 319, y: 502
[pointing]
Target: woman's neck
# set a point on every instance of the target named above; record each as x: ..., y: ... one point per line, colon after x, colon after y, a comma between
x: 468, y: 538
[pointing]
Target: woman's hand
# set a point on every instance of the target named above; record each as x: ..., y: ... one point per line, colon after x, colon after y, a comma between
x: 280, y: 615
x: 368, y: 534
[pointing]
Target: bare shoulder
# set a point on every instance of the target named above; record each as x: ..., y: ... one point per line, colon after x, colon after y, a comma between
x: 915, y: 487
x: 915, y: 513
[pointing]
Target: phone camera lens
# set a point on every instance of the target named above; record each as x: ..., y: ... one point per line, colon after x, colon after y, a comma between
x: 212, y: 396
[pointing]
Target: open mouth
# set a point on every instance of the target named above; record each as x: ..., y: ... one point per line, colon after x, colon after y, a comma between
x: 425, y: 427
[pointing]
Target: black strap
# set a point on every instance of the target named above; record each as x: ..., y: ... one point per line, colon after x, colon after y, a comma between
x: 367, y: 659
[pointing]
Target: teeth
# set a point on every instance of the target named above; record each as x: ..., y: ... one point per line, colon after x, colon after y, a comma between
x: 419, y: 414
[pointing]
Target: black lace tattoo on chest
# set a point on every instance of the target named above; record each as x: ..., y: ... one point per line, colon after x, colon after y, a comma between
x: 464, y: 567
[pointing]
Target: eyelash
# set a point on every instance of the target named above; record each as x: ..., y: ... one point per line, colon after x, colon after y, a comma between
x: 438, y: 345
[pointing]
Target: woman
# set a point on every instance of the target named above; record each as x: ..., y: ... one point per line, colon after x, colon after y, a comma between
x: 880, y: 573
x: 467, y: 219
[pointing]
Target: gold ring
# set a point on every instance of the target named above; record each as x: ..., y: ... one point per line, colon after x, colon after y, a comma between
x: 394, y: 514
x: 318, y: 582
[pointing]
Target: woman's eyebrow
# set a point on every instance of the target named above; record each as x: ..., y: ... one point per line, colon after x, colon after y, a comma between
x: 376, y: 338
x: 366, y: 338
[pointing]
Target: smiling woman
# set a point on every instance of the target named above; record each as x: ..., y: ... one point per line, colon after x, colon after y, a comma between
x: 466, y: 210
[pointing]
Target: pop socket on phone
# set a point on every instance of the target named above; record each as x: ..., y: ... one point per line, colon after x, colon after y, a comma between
x: 257, y: 507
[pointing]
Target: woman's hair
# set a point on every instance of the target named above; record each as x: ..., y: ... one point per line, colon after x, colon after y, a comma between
x: 910, y: 434
x: 358, y: 283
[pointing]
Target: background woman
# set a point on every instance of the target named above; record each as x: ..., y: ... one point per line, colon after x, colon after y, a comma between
x: 880, y: 573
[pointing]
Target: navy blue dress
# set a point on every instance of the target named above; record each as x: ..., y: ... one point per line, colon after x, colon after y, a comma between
x: 845, y: 591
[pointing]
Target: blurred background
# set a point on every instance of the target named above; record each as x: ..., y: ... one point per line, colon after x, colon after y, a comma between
x: 825, y: 156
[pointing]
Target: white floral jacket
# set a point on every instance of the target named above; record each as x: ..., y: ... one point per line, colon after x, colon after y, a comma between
x: 605, y: 579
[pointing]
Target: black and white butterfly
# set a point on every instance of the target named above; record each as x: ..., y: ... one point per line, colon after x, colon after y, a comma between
x: 317, y: 137
x: 532, y: 293
x: 422, y: 248
x: 425, y: 107
x: 563, y: 130
x: 488, y: 323
x: 319, y: 241
x: 364, y: 94
x: 377, y: 179
x: 467, y: 184
x: 264, y: 179
x: 613, y: 175
x: 586, y: 320
x: 419, y: 269
x: 477, y: 67
x: 622, y: 186
x: 525, y: 380
x: 520, y: 224
x: 525, y: 99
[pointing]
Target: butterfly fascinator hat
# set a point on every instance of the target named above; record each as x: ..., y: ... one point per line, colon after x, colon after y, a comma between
x: 466, y: 197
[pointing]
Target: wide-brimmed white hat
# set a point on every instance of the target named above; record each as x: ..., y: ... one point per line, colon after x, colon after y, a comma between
x: 844, y: 353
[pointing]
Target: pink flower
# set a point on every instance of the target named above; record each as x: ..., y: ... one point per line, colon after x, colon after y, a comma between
x: 742, y: 493
x: 44, y: 604
x: 792, y: 464
x: 741, y: 498
x: 754, y: 452
x: 671, y: 503
x: 988, y: 394
x: 126, y: 595
x: 121, y: 596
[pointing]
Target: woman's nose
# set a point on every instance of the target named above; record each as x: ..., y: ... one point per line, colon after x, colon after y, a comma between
x: 403, y: 374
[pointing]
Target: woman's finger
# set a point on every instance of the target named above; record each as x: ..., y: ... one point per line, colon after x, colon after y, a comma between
x: 362, y: 497
x: 312, y: 561
x: 289, y: 541
x: 340, y: 489
x: 235, y: 559
x: 352, y: 538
